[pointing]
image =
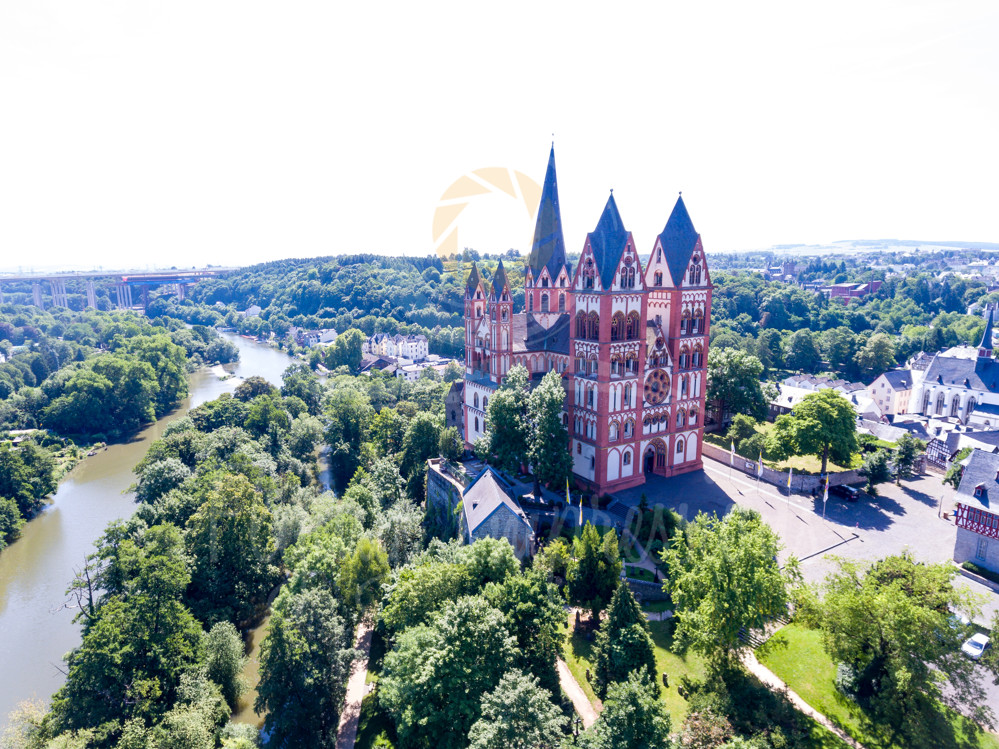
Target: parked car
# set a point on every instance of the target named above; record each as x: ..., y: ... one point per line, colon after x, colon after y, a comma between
x: 975, y: 645
x: 849, y: 493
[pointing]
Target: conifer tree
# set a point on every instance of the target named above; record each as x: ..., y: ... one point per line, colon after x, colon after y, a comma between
x: 624, y: 643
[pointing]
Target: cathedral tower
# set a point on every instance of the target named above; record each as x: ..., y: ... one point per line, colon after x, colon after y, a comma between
x: 548, y: 277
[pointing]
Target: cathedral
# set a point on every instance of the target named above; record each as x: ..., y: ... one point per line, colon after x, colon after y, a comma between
x: 628, y: 333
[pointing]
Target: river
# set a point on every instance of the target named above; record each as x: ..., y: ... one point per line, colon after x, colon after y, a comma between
x: 36, y: 627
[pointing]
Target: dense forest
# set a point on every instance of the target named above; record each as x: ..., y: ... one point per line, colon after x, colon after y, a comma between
x: 86, y: 376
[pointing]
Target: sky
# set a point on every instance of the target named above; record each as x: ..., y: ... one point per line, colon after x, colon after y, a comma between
x: 141, y: 134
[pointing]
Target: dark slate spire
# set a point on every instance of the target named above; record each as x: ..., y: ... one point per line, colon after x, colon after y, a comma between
x: 678, y: 240
x: 473, y: 278
x: 986, y: 344
x: 548, y: 250
x: 608, y: 241
x: 499, y: 281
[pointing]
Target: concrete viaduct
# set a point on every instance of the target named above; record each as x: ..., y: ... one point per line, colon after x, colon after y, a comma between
x: 125, y: 283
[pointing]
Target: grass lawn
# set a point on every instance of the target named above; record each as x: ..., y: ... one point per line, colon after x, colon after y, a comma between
x: 797, y: 656
x: 675, y: 666
x: 800, y: 463
x: 578, y: 654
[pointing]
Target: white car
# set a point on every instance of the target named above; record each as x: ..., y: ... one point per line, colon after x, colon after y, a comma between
x: 975, y: 645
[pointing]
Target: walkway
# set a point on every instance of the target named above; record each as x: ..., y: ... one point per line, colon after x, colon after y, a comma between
x: 356, y: 689
x: 574, y: 692
x: 773, y: 681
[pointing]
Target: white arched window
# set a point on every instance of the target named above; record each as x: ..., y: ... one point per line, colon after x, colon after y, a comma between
x: 679, y: 446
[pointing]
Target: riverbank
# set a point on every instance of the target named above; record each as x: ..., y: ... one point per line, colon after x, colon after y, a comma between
x: 36, y: 622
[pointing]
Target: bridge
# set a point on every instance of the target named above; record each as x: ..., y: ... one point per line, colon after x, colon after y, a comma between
x: 125, y: 282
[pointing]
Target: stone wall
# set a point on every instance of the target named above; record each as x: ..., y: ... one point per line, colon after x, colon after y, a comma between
x: 801, y: 483
x: 966, y: 549
x: 646, y: 591
x: 504, y: 524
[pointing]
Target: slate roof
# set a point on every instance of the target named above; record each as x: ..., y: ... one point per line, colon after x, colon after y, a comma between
x: 554, y: 339
x: 678, y: 240
x: 899, y: 379
x: 548, y: 250
x: 981, y: 469
x: 485, y: 496
x: 499, y: 281
x: 608, y: 241
x: 474, y: 279
x: 987, y: 333
x: 977, y: 374
x: 985, y: 409
x: 519, y: 325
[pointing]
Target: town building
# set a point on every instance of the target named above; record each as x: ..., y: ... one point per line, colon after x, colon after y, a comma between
x: 793, y: 389
x: 891, y: 391
x: 485, y: 508
x: 629, y: 336
x: 977, y: 512
x: 412, y: 347
x: 958, y: 380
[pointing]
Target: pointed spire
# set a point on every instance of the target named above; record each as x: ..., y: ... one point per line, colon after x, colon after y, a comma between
x: 608, y: 241
x: 985, y: 347
x: 474, y: 279
x: 548, y: 250
x: 499, y: 281
x: 678, y: 240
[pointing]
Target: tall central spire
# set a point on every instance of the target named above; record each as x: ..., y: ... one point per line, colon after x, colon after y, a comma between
x: 548, y: 250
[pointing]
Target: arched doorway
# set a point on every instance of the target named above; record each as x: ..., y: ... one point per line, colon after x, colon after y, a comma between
x: 649, y: 461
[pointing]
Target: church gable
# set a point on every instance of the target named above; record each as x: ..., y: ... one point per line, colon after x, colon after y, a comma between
x: 695, y: 274
x: 628, y: 274
x: 657, y: 273
x: 587, y: 274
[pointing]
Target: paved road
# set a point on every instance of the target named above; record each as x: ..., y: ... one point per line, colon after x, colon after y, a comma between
x: 356, y: 689
x: 575, y: 693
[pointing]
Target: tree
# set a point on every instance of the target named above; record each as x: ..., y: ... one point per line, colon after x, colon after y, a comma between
x: 823, y: 424
x: 451, y: 446
x: 136, y: 649
x: 348, y: 416
x: 230, y: 543
x: 907, y: 451
x: 11, y: 521
x: 434, y: 679
x: 728, y: 566
x: 388, y: 428
x: 306, y: 435
x: 252, y: 387
x: 800, y: 351
x: 956, y: 470
x: 507, y: 416
x: 422, y: 590
x: 348, y: 350
x: 548, y: 439
x: 888, y: 622
x: 534, y: 615
x: 159, y: 478
x: 225, y: 661
x: 364, y: 573
x: 839, y: 346
x: 298, y: 380
x: 488, y: 560
x: 877, y: 355
x: 595, y: 573
x: 624, y: 643
x: 401, y: 532
x: 518, y: 713
x: 875, y: 470
x: 304, y: 665
x: 421, y: 443
x: 734, y: 381
x: 633, y: 718
x: 743, y: 427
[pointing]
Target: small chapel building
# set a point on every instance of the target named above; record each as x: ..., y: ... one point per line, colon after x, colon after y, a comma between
x: 628, y: 333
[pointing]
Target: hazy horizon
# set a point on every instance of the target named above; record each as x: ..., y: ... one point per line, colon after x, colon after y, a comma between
x: 139, y: 133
